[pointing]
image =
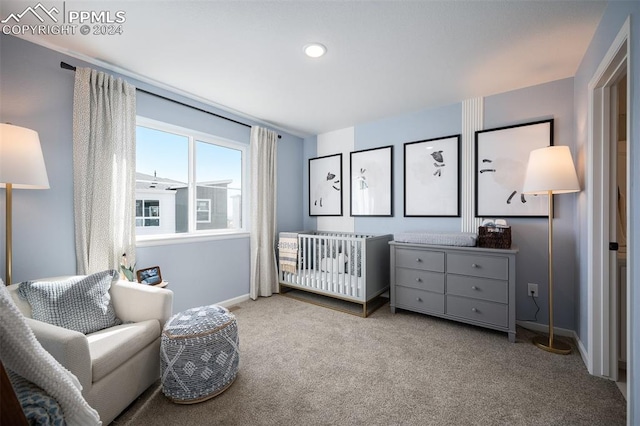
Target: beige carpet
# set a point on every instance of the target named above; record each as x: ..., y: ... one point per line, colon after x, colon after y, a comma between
x: 303, y: 364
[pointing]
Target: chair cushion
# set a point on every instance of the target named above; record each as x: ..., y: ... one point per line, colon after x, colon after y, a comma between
x: 79, y: 303
x: 111, y: 347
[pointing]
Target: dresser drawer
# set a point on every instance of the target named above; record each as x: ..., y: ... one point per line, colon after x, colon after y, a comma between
x: 478, y: 310
x: 419, y: 300
x: 420, y: 259
x: 478, y: 266
x: 423, y: 280
x: 478, y: 288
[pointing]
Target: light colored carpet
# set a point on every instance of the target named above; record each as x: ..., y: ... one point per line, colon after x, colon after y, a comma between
x: 303, y: 364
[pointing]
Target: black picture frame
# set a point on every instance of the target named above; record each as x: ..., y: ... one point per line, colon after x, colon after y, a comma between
x: 371, y: 182
x: 501, y: 157
x: 432, y: 177
x: 325, y: 185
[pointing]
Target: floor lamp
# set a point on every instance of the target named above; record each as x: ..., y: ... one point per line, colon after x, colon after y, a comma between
x: 21, y: 167
x: 551, y: 171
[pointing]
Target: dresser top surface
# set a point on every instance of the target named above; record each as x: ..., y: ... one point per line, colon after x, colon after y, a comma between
x: 513, y: 250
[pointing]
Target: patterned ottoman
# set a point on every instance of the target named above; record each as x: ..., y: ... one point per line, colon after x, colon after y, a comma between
x: 199, y: 354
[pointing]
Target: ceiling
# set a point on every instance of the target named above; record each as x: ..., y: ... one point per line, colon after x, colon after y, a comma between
x: 384, y: 58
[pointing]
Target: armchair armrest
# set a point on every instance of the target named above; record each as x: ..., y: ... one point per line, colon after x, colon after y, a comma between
x: 138, y: 302
x: 70, y: 348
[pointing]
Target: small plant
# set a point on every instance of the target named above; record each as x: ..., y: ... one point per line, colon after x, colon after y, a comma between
x: 128, y: 271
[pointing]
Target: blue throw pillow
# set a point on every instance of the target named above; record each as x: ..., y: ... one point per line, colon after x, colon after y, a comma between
x: 39, y: 407
x: 79, y: 303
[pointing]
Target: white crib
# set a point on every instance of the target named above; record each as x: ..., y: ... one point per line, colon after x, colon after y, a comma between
x: 347, y: 266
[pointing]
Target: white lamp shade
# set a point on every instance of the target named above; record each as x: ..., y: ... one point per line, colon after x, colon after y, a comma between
x: 550, y: 169
x: 21, y: 160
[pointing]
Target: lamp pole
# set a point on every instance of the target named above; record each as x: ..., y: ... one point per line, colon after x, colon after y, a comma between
x: 8, y: 232
x: 549, y: 344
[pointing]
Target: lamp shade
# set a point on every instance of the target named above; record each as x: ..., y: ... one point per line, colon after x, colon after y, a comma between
x: 550, y: 169
x: 21, y: 160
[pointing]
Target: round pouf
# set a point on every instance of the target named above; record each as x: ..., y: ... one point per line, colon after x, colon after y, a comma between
x: 199, y: 354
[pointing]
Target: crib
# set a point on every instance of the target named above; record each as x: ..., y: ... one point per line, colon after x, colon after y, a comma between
x: 353, y: 268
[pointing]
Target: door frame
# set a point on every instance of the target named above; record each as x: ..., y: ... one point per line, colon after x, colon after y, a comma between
x: 602, y: 309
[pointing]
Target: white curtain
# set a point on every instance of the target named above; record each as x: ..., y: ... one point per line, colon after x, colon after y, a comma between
x: 104, y: 129
x: 264, y: 275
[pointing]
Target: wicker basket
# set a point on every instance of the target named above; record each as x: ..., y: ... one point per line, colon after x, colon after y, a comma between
x: 494, y: 237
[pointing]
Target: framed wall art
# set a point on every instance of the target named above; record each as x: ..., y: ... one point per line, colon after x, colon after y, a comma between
x: 325, y: 186
x: 372, y: 182
x: 432, y: 177
x: 501, y: 163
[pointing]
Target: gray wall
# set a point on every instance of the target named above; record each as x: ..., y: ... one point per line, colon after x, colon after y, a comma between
x: 551, y: 100
x: 614, y: 17
x: 419, y: 125
x: 38, y: 94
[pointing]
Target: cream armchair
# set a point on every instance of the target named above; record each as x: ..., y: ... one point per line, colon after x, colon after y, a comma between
x: 114, y: 365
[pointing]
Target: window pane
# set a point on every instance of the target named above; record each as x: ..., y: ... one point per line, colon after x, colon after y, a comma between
x: 162, y: 173
x: 202, y: 205
x: 219, y: 182
x: 203, y: 211
x: 152, y: 208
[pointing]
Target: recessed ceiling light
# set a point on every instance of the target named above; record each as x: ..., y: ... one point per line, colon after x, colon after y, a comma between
x: 315, y: 50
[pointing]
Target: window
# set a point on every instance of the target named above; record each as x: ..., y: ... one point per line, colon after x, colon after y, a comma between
x: 147, y: 213
x: 203, y: 211
x: 187, y: 182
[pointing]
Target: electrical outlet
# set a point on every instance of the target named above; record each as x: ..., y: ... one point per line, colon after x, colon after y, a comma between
x: 533, y: 288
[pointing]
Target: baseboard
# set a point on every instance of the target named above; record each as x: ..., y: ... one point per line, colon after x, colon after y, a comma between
x: 584, y: 354
x: 231, y: 302
x: 543, y: 328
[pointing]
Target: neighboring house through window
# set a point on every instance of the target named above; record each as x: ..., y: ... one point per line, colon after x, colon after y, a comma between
x: 187, y: 182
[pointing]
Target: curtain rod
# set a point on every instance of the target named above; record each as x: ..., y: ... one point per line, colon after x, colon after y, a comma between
x: 66, y: 66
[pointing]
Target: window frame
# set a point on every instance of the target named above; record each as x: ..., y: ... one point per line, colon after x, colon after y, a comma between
x: 145, y: 217
x: 193, y: 233
x: 208, y: 210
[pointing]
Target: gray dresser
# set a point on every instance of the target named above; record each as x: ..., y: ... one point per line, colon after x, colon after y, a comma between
x: 467, y: 284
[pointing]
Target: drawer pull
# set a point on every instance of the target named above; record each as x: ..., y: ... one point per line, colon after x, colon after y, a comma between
x: 418, y: 299
x: 474, y: 310
x: 418, y: 280
x: 473, y: 265
x: 473, y: 287
x: 418, y: 260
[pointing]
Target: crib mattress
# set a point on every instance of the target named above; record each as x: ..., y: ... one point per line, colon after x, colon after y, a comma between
x: 460, y: 239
